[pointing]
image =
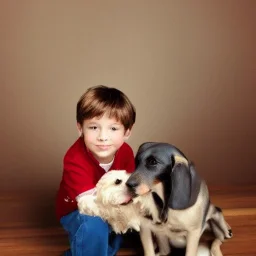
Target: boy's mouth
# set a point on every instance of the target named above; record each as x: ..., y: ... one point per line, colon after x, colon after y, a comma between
x: 103, y: 147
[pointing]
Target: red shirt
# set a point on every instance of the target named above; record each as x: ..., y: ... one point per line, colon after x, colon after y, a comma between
x: 82, y: 172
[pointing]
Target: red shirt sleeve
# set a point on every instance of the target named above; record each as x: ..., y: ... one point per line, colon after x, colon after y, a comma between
x: 75, y: 176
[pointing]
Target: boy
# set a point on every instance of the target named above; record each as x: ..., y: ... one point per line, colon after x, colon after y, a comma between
x: 105, y: 117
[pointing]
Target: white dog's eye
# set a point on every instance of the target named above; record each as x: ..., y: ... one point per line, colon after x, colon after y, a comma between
x: 118, y: 181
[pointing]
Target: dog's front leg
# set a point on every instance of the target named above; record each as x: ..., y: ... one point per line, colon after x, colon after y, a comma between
x: 193, y: 238
x: 87, y: 205
x: 163, y: 244
x: 147, y: 241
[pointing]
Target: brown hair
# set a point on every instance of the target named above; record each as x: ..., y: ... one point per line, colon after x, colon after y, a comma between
x: 102, y: 99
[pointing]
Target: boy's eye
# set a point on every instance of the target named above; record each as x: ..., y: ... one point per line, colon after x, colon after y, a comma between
x: 93, y: 127
x: 114, y: 128
x: 117, y: 182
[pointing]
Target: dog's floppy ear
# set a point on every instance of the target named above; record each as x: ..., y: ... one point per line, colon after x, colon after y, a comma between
x: 185, y: 184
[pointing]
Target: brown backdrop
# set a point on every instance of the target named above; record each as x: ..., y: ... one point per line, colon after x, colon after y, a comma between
x: 188, y: 66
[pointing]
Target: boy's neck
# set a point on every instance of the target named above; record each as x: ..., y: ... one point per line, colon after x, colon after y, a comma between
x: 107, y: 166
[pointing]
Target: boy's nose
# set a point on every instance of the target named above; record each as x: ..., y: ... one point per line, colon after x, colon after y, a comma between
x: 102, y: 139
x: 103, y: 136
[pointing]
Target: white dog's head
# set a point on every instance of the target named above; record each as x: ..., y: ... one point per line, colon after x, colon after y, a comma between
x: 111, y: 188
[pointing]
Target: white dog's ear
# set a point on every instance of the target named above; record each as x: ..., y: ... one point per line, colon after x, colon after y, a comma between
x: 185, y: 185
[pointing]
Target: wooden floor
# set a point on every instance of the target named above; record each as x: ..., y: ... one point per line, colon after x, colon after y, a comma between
x: 28, y: 226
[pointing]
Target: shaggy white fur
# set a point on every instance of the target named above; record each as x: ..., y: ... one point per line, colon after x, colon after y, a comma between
x: 111, y: 203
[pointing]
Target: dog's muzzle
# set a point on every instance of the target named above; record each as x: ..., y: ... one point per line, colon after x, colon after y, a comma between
x: 132, y: 184
x: 127, y: 202
x: 136, y: 188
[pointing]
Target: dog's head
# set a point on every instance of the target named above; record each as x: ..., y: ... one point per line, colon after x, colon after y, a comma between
x: 162, y: 163
x: 111, y: 188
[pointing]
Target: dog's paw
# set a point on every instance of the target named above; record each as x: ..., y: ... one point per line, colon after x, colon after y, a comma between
x: 119, y: 227
x: 204, y: 250
x: 229, y: 234
x: 87, y: 205
x: 82, y: 207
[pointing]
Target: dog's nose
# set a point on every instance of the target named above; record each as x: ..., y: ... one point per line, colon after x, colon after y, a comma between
x: 133, y: 183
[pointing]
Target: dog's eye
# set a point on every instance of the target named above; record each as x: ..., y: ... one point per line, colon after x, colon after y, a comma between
x: 118, y: 181
x: 151, y: 161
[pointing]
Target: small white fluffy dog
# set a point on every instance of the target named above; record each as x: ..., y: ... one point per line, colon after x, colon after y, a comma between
x: 112, y: 202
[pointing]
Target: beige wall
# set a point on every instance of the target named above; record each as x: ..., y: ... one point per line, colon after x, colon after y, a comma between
x: 188, y: 66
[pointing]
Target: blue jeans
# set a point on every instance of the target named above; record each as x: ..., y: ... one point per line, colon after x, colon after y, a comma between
x: 90, y: 236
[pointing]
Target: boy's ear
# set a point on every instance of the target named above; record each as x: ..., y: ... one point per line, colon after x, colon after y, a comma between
x: 127, y: 134
x: 80, y: 129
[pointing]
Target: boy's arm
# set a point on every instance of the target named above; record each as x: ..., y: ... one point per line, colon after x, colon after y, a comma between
x: 76, y: 178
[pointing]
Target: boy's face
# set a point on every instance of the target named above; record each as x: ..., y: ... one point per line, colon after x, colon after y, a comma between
x: 103, y: 137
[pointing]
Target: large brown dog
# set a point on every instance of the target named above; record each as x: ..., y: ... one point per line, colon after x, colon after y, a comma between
x: 183, y: 209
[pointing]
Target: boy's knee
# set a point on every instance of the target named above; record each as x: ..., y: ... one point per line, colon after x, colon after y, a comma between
x: 84, y: 224
x: 94, y: 227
